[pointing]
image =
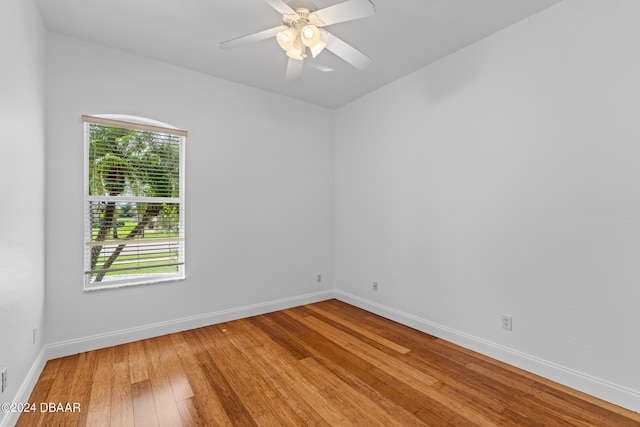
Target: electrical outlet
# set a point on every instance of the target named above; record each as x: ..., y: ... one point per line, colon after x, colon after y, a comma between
x: 319, y: 279
x: 507, y: 322
x: 375, y: 286
x: 4, y: 379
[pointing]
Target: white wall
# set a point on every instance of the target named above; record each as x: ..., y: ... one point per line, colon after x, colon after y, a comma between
x: 505, y: 179
x: 22, y: 176
x: 500, y: 180
x: 259, y: 194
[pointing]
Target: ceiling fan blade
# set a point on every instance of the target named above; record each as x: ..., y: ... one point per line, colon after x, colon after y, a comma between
x: 346, y: 11
x: 294, y: 69
x: 251, y: 38
x: 281, y: 7
x: 345, y: 51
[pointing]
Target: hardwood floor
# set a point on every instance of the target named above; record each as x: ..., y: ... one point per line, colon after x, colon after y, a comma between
x: 325, y: 364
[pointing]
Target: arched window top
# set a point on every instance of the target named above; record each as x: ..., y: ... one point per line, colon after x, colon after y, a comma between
x: 136, y: 122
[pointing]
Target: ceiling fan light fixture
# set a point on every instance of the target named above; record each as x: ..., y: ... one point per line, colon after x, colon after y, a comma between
x: 317, y: 48
x: 310, y: 35
x: 287, y: 38
x: 296, y: 51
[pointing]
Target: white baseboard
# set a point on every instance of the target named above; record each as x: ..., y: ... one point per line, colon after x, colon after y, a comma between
x: 613, y: 393
x: 94, y: 342
x: 24, y: 392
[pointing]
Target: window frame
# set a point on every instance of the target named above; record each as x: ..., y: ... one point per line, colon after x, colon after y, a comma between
x: 142, y: 124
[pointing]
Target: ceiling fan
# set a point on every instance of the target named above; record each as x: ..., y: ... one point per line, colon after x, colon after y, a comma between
x: 303, y: 28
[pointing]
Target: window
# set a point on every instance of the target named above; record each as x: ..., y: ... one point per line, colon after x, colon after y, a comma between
x: 134, y: 202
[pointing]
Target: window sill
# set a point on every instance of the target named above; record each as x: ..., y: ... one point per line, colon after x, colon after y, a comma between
x: 121, y: 284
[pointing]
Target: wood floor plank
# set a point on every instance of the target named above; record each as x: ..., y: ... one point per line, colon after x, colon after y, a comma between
x: 291, y: 381
x: 215, y: 379
x: 346, y: 367
x: 403, y: 335
x: 177, y: 377
x: 355, y: 398
x: 288, y: 399
x: 121, y: 353
x: 82, y: 382
x: 163, y: 397
x: 138, y: 362
x: 189, y: 413
x: 313, y: 395
x: 60, y: 392
x: 144, y: 408
x: 283, y: 333
x: 470, y: 386
x: 205, y: 400
x: 416, y: 382
x: 39, y: 394
x: 452, y: 398
x: 50, y: 370
x: 99, y: 410
x: 373, y: 388
x: 121, y: 412
x: 420, y: 380
x: 229, y: 399
x: 322, y: 364
x: 374, y: 336
x: 251, y: 390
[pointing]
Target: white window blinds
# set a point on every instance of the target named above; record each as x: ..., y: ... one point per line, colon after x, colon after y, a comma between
x: 134, y: 203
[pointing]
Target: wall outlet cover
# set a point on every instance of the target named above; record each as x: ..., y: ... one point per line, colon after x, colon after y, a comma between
x: 507, y: 322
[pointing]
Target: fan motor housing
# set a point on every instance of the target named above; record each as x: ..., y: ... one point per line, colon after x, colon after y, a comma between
x: 302, y: 17
x: 302, y: 4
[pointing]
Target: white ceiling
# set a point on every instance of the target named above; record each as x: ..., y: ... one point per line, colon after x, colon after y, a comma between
x: 403, y: 36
